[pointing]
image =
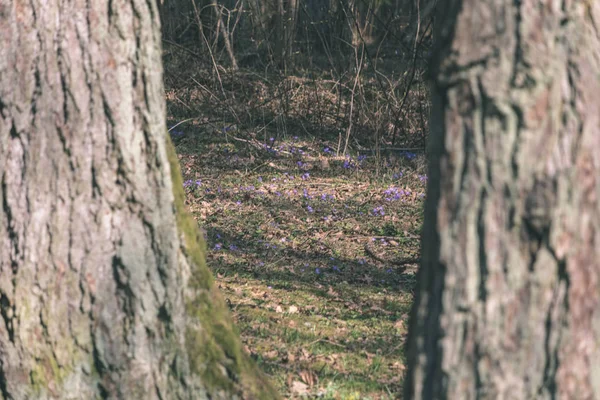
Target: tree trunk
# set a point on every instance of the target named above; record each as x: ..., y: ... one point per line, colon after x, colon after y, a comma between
x: 224, y: 34
x: 291, y: 22
x: 104, y: 292
x: 509, y: 288
x: 280, y: 34
x: 175, y: 17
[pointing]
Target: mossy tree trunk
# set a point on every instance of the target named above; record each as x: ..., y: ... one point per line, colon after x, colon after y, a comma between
x: 508, y: 303
x: 103, y: 288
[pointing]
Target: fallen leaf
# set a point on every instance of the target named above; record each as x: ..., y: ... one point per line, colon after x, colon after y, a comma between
x: 398, y: 365
x: 305, y: 355
x: 309, y: 377
x: 299, y: 388
x: 271, y: 354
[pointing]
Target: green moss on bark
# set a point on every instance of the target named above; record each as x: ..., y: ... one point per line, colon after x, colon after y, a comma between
x: 213, y: 346
x: 46, y: 374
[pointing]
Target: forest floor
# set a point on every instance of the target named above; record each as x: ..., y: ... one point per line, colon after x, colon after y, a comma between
x: 315, y: 252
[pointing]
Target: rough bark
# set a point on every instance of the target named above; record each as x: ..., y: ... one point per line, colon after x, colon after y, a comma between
x: 103, y: 288
x: 508, y: 303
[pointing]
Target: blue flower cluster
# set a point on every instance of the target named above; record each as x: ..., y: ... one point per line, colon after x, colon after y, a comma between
x: 378, y: 211
x: 394, y: 193
x: 407, y: 154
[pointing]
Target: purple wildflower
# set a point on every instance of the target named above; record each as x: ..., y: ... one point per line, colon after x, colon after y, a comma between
x: 378, y: 211
x: 408, y: 155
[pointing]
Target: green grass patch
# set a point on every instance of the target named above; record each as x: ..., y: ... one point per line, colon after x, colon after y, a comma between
x: 307, y: 248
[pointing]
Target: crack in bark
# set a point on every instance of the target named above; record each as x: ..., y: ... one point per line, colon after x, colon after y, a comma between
x: 110, y: 12
x: 485, y: 104
x: 488, y: 109
x: 481, y: 233
x: 7, y: 312
x: 550, y: 371
x: 124, y: 291
x: 99, y: 364
x: 550, y: 366
x: 108, y: 114
x: 12, y: 234
x: 517, y: 139
x: 6, y: 395
x: 464, y: 173
x: 518, y: 51
x: 37, y: 92
x: 3, y: 112
x: 155, y: 245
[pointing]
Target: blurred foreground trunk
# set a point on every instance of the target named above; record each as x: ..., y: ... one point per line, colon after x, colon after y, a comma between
x: 508, y: 303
